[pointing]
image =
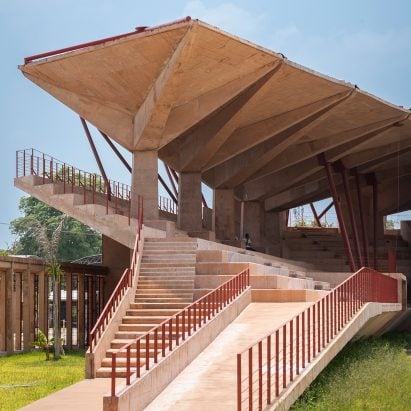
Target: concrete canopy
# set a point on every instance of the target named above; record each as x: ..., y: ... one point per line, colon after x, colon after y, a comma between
x: 245, y: 117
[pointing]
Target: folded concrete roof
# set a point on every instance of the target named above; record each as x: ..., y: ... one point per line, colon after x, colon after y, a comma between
x: 245, y: 117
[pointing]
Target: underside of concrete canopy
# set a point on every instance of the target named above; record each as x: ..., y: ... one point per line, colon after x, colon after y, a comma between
x: 242, y: 117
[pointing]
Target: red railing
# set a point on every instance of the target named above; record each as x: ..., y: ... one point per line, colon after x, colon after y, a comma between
x: 165, y: 337
x: 129, y: 277
x: 102, y: 41
x: 267, y: 367
x: 114, y: 195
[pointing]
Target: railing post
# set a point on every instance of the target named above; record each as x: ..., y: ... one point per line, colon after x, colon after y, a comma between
x: 277, y: 363
x: 284, y: 355
x: 269, y: 369
x: 297, y: 348
x: 239, y: 382
x: 303, y: 339
x: 250, y: 378
x: 260, y: 375
x: 113, y: 374
x: 291, y: 350
x: 147, y: 351
x: 138, y: 354
x: 308, y: 336
x: 128, y: 365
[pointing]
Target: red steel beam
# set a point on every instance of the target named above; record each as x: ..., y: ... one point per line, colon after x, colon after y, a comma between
x: 326, y: 209
x: 115, y: 149
x: 334, y: 194
x: 102, y: 41
x: 317, y: 220
x: 362, y: 217
x: 170, y: 177
x: 347, y: 192
x: 375, y: 217
x: 96, y: 156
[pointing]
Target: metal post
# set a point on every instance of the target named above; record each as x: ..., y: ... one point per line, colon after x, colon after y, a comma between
x: 362, y: 218
x: 344, y: 174
x: 96, y: 156
x: 375, y: 218
x: 314, y: 211
x: 337, y: 206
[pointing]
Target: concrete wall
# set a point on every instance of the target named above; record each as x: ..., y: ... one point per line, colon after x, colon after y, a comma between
x: 142, y: 391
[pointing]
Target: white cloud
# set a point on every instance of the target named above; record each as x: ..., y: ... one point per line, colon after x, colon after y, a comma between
x: 226, y: 16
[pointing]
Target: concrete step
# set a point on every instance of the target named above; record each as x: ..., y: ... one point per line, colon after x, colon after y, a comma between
x: 151, y: 285
x: 154, y: 312
x: 161, y: 252
x: 170, y: 241
x: 154, y: 279
x: 105, y: 372
x: 155, y: 304
x: 168, y: 265
x: 154, y: 298
x: 151, y: 319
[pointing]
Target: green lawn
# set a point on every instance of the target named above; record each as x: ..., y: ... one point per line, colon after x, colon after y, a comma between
x: 370, y: 374
x: 31, y: 368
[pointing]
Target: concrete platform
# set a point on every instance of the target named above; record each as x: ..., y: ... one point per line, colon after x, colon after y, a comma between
x: 84, y: 395
x: 209, y: 382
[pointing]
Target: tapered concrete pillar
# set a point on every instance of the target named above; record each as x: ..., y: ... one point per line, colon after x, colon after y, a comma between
x: 28, y: 309
x: 144, y: 182
x: 189, y: 202
x: 224, y: 214
x: 273, y: 225
x: 253, y: 220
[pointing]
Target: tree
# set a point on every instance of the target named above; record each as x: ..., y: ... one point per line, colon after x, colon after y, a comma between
x: 49, y: 244
x: 77, y: 240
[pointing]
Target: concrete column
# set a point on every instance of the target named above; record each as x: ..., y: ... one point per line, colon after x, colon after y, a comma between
x: 253, y: 220
x: 144, y: 182
x: 224, y: 214
x: 17, y: 314
x: 9, y: 315
x: 3, y: 311
x: 189, y: 202
x: 28, y: 309
x: 273, y: 226
x: 69, y: 309
x: 116, y: 257
x: 80, y: 310
x: 42, y: 297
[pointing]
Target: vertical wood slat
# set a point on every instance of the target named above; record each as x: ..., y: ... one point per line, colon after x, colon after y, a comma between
x: 80, y: 311
x: 69, y: 310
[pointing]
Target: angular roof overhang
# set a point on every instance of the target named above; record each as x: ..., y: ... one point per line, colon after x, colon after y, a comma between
x: 245, y: 117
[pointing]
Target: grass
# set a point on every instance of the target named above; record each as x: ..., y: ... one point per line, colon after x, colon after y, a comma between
x: 369, y: 374
x: 45, y: 377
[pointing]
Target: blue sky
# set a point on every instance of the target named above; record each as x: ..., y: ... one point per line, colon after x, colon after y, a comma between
x: 365, y: 42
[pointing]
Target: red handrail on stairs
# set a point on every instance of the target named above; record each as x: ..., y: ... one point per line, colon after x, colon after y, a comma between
x: 180, y: 326
x: 126, y: 281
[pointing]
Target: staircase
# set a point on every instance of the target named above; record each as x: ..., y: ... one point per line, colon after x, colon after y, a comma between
x: 165, y: 286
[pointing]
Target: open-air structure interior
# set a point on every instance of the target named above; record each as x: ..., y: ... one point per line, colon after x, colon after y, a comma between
x: 266, y: 135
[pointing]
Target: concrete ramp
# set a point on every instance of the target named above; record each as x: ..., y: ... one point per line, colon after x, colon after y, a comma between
x: 209, y: 382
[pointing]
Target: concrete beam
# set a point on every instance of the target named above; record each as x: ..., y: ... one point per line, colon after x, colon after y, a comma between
x: 275, y: 139
x: 210, y: 118
x: 295, y: 154
x: 152, y: 115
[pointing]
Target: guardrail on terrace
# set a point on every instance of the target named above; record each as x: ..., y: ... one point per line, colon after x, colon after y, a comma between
x: 267, y: 367
x: 129, y: 277
x: 178, y: 327
x: 116, y: 195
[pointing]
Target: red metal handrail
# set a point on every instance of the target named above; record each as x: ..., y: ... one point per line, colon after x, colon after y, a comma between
x: 127, y: 280
x: 116, y: 196
x: 101, y: 41
x: 178, y: 327
x: 268, y: 366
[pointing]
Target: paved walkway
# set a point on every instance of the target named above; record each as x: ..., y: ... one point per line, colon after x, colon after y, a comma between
x: 84, y: 395
x: 209, y: 382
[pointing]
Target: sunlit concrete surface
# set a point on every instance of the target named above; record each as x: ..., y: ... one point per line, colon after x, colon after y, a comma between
x: 209, y: 382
